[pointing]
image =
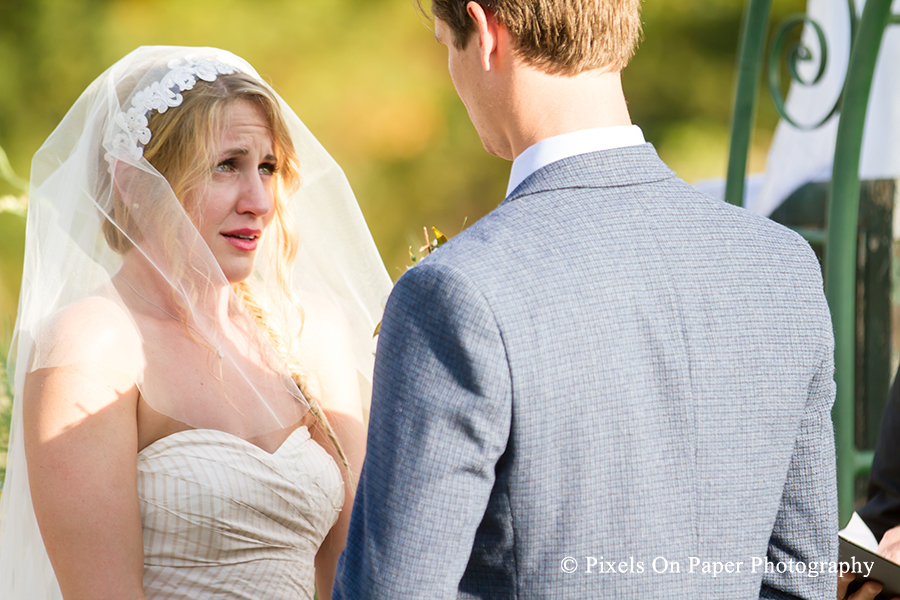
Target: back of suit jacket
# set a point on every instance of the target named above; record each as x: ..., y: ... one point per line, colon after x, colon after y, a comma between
x: 602, y: 389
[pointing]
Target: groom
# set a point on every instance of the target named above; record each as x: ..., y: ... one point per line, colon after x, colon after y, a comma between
x: 610, y: 386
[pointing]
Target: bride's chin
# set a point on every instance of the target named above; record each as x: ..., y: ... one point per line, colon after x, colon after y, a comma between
x: 238, y: 269
x: 236, y: 276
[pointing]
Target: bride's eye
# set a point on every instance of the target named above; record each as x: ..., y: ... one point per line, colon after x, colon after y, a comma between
x: 226, y: 166
x: 268, y: 168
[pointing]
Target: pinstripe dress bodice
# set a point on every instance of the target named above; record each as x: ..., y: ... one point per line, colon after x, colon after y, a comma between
x: 223, y: 518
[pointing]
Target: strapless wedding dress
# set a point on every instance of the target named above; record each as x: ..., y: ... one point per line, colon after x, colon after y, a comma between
x: 223, y: 518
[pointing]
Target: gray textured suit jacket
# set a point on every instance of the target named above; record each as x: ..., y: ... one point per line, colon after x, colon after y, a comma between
x: 610, y: 374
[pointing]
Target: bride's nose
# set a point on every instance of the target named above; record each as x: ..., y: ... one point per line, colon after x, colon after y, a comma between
x: 255, y: 195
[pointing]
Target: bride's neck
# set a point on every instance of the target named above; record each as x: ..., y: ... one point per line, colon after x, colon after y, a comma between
x: 150, y: 287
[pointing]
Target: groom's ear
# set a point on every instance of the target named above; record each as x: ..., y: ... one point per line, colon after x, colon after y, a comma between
x: 490, y: 35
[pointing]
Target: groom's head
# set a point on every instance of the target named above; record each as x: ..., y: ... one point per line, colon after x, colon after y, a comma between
x: 531, y: 69
x: 560, y: 37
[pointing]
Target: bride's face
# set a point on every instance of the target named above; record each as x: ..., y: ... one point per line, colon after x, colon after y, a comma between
x: 234, y: 209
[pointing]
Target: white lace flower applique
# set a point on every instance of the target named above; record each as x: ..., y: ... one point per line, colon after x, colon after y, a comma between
x: 161, y: 96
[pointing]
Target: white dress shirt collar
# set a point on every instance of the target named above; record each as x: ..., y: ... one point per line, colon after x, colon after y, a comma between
x: 558, y: 147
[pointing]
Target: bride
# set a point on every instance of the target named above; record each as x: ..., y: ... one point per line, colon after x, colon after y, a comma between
x: 192, y: 347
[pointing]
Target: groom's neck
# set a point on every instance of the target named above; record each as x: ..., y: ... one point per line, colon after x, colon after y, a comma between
x: 544, y: 105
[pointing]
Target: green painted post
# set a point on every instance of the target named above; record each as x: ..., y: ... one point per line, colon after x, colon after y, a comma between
x: 840, y: 252
x: 750, y: 60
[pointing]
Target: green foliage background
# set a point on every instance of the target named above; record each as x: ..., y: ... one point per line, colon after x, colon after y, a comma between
x: 369, y: 80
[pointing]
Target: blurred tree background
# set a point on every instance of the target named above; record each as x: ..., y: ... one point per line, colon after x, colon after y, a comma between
x: 371, y: 83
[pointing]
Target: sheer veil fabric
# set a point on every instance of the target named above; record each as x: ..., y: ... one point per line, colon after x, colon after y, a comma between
x: 209, y: 364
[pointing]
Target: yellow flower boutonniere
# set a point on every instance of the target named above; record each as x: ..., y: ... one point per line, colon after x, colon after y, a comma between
x: 430, y: 246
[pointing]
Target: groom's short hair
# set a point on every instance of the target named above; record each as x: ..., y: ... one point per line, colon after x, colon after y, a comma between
x: 561, y: 37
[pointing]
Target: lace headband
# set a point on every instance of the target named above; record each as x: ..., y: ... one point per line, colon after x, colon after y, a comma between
x: 162, y: 95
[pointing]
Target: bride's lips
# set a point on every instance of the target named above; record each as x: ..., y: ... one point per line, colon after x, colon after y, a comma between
x: 243, y: 239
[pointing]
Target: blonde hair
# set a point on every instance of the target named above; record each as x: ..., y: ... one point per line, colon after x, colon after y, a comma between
x: 560, y: 37
x: 180, y: 148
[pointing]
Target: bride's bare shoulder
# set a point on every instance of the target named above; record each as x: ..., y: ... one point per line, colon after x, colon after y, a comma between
x: 95, y: 329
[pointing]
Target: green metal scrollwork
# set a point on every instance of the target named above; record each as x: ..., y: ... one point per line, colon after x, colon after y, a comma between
x: 750, y: 58
x: 797, y: 52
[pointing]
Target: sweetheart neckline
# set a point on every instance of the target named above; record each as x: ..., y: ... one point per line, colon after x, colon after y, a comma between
x: 231, y: 436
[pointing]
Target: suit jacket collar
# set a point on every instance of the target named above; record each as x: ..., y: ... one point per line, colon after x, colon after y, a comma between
x: 632, y: 165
